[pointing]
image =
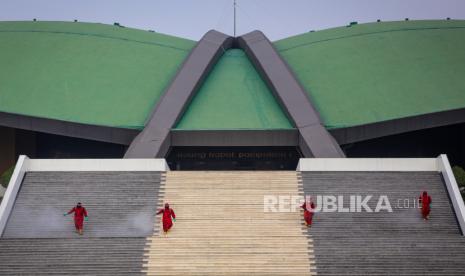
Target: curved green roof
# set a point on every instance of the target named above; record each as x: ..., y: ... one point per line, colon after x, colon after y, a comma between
x: 233, y: 96
x: 86, y: 73
x: 380, y: 71
x: 113, y: 76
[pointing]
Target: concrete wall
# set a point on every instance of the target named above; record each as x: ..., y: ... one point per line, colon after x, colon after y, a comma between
x: 367, y: 164
x: 453, y: 190
x: 97, y: 165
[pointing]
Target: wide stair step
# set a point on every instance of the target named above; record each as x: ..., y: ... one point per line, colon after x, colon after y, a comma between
x: 222, y: 229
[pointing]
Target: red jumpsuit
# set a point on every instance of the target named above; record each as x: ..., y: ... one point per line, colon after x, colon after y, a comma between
x: 425, y: 201
x: 308, y: 214
x: 79, y: 214
x: 167, y: 214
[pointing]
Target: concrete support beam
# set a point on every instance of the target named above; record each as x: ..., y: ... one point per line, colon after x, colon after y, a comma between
x: 355, y: 134
x: 315, y: 140
x: 235, y: 138
x: 70, y: 129
x: 154, y: 140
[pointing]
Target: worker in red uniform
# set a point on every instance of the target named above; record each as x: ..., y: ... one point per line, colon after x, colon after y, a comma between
x: 308, y: 212
x: 425, y: 201
x: 168, y: 213
x: 80, y: 214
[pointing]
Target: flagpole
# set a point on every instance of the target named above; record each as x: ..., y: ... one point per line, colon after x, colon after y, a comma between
x: 234, y: 18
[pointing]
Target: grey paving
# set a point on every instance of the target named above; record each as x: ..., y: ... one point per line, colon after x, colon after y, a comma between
x: 397, y: 243
x: 120, y: 204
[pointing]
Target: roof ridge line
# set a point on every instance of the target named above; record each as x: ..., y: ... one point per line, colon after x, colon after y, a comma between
x: 97, y: 35
x: 368, y: 33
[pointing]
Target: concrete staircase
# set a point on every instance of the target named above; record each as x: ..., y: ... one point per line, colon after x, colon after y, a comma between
x: 221, y: 227
x: 84, y: 256
x: 38, y: 240
x: 120, y: 204
x: 397, y: 243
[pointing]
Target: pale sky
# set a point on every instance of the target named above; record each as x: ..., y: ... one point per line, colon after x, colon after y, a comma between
x: 193, y: 18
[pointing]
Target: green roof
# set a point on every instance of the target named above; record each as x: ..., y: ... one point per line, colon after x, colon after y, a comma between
x: 86, y: 73
x: 113, y: 76
x: 380, y: 71
x: 233, y: 97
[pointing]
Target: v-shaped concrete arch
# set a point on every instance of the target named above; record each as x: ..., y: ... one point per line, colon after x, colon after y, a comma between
x: 314, y: 140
